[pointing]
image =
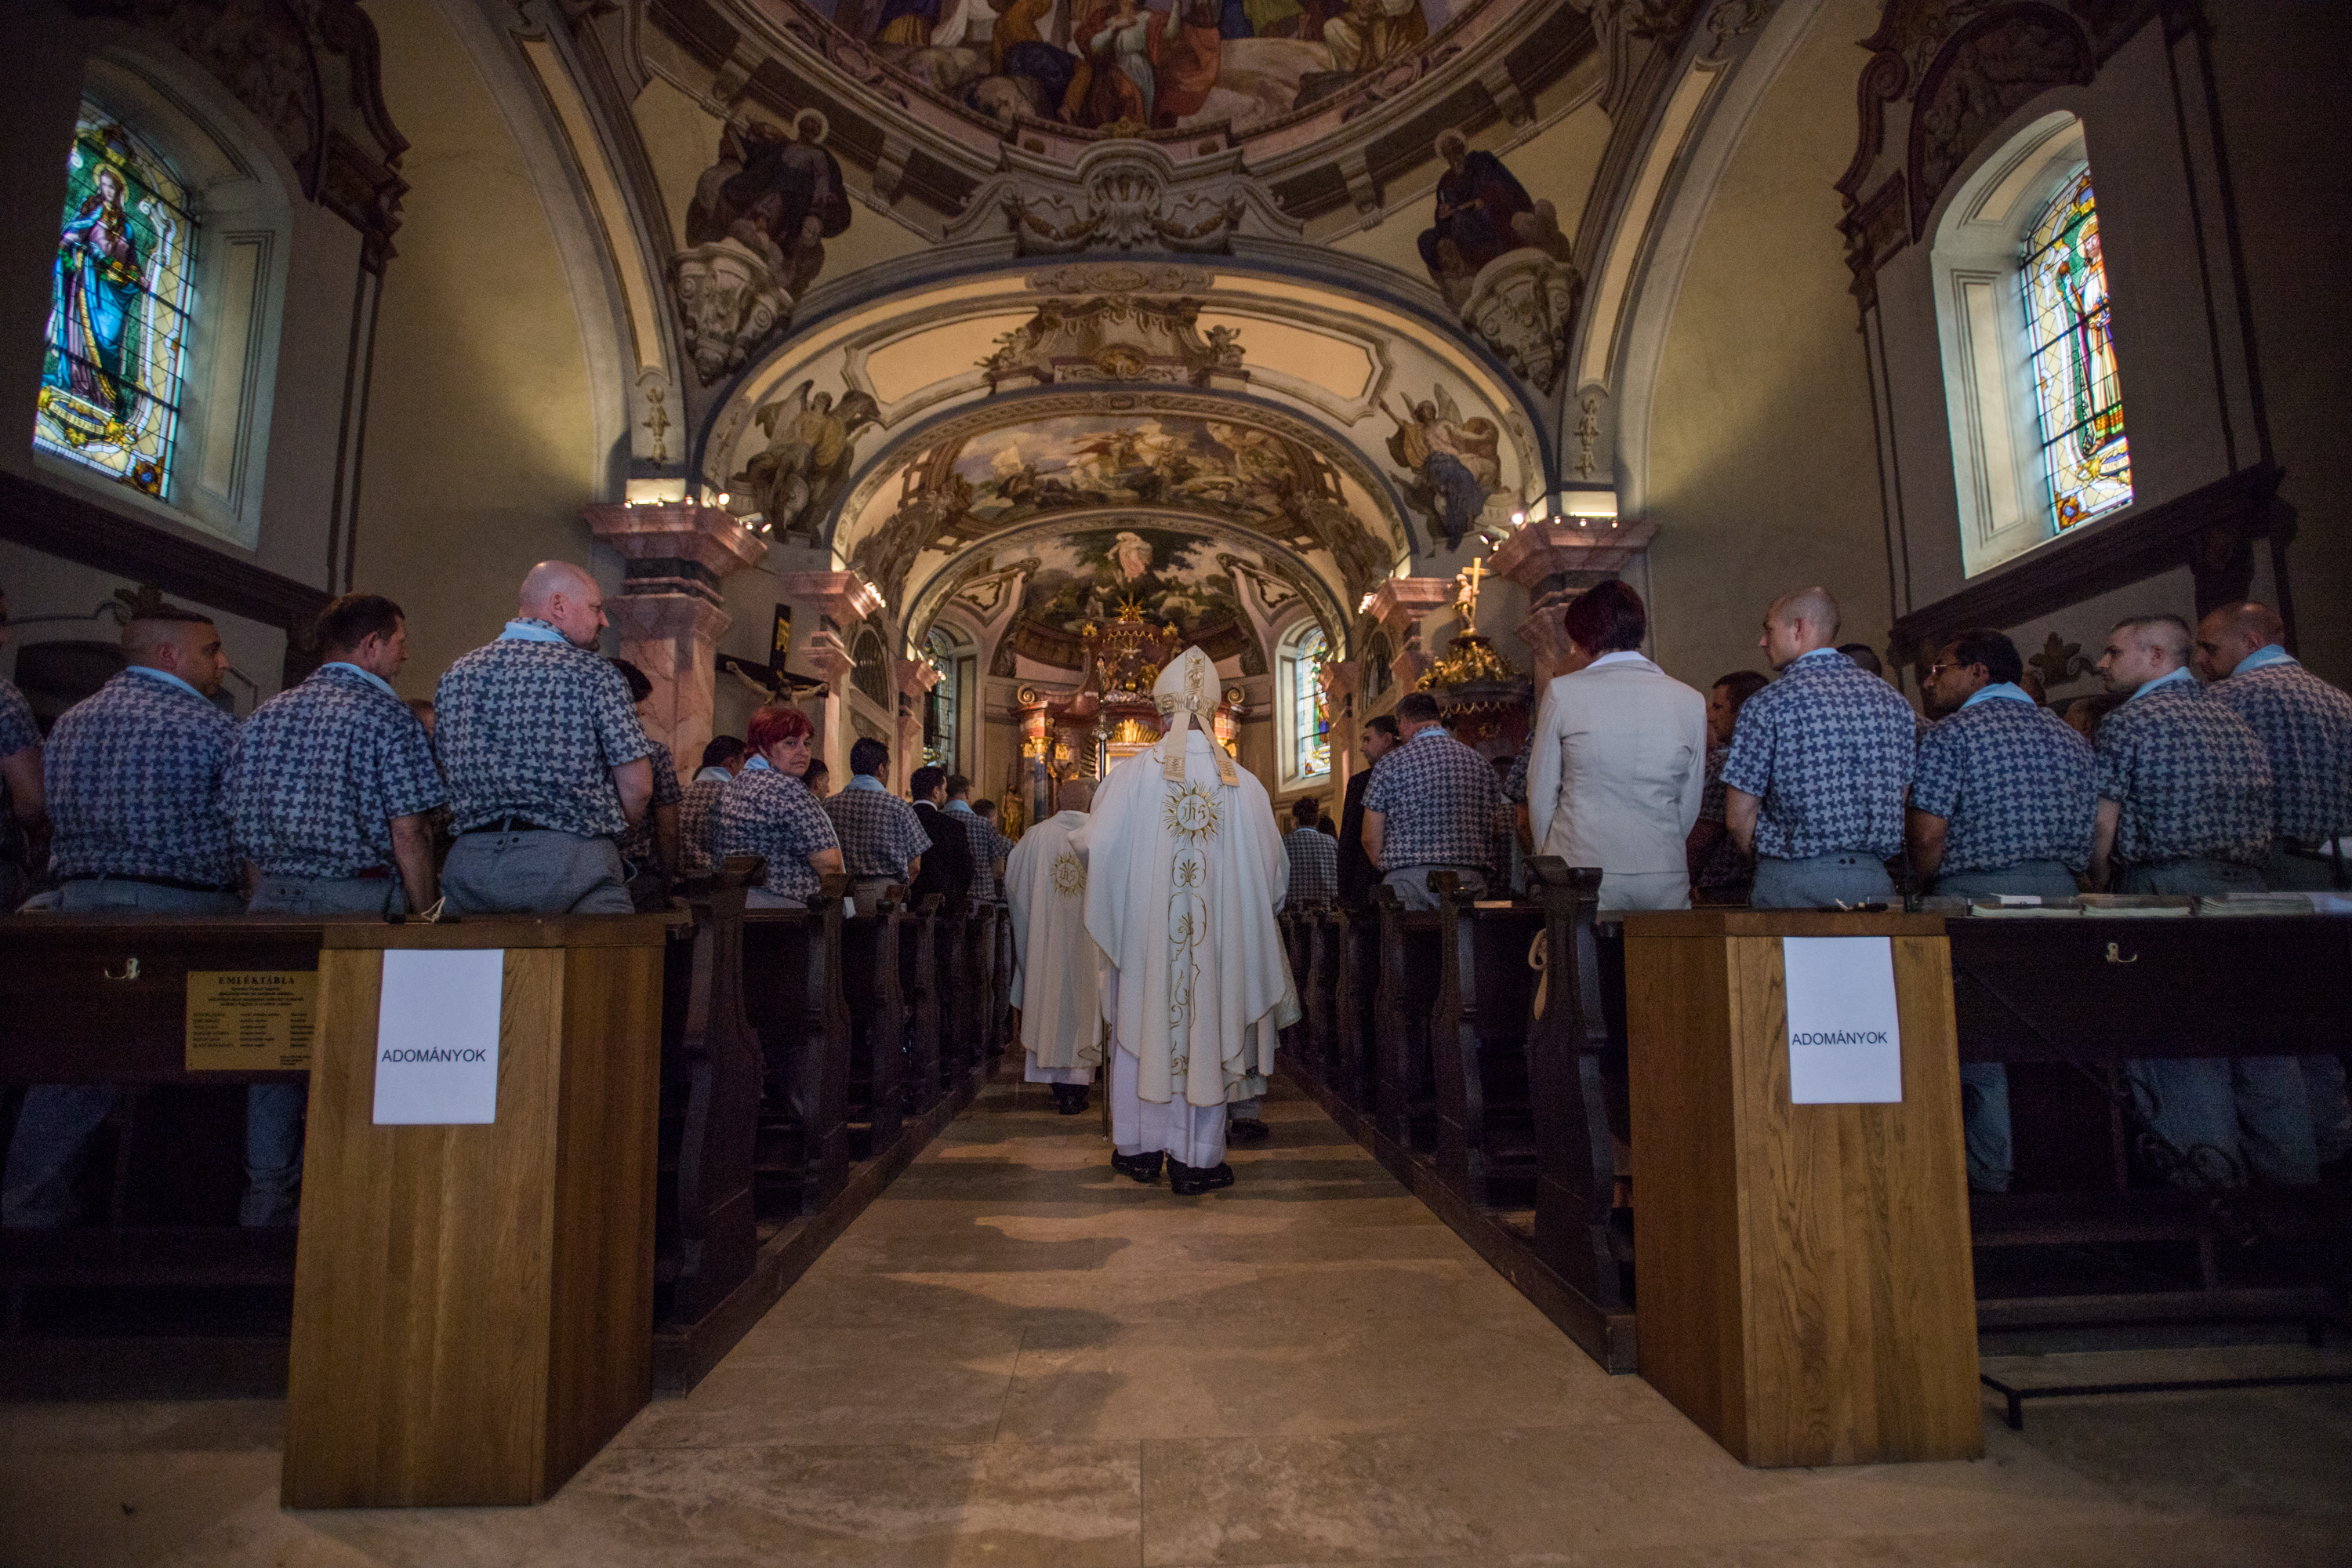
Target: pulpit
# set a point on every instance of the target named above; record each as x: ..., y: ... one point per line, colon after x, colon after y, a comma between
x: 1805, y: 1289
x: 473, y: 1293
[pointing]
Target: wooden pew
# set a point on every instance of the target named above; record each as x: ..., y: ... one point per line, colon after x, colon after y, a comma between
x: 1570, y: 1049
x: 707, y: 1235
x: 919, y: 984
x: 102, y: 999
x: 1297, y: 930
x: 1405, y: 1114
x: 877, y: 1021
x: 793, y: 999
x: 1350, y: 956
x: 2064, y: 1003
x: 1479, y: 1043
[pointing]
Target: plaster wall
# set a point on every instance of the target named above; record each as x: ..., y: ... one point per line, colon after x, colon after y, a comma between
x: 480, y: 446
x: 1761, y: 476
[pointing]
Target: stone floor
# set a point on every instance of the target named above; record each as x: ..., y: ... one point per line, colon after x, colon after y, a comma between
x: 1015, y: 1358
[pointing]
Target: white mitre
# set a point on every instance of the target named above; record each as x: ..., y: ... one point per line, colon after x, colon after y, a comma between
x: 1184, y: 868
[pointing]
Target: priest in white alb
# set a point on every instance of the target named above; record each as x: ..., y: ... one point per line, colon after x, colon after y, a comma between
x: 1056, y: 968
x: 1184, y: 867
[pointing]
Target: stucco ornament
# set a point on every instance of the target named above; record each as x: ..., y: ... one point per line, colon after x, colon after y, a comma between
x: 729, y: 301
x: 1129, y: 196
x: 1522, y: 306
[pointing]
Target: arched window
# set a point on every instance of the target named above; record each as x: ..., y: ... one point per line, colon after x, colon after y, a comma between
x: 869, y: 668
x: 942, y: 712
x: 1306, y: 720
x: 120, y: 303
x: 1378, y: 674
x: 2030, y: 380
x: 2073, y: 360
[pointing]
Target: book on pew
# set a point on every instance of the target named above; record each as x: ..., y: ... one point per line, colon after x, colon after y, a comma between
x: 2254, y: 904
x: 2139, y: 906
x: 2023, y: 906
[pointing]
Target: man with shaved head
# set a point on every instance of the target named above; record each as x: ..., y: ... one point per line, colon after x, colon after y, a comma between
x: 548, y: 765
x: 135, y: 775
x: 1819, y: 761
x: 2305, y: 726
x: 1056, y: 967
x: 2184, y: 808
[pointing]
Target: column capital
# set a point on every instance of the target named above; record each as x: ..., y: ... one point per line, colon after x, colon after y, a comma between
x: 1558, y: 546
x: 675, y: 547
x: 1400, y: 603
x: 841, y: 597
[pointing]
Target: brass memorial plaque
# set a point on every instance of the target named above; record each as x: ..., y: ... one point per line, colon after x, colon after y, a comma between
x: 246, y: 1020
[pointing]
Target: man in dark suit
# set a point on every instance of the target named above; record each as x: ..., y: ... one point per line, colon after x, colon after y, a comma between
x: 947, y: 864
x: 1358, y: 875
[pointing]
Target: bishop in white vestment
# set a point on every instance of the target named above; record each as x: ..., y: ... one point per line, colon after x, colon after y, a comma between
x: 1056, y: 979
x: 1184, y: 869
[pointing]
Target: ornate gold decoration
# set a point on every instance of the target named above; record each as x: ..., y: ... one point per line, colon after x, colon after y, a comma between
x: 1190, y: 813
x: 1469, y: 659
x: 1069, y: 875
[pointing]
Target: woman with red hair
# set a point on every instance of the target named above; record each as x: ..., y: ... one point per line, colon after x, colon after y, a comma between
x: 767, y: 811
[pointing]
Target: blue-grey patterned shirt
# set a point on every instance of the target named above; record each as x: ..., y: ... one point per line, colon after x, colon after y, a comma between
x: 764, y: 812
x: 1314, y: 867
x: 135, y: 774
x: 981, y: 835
x: 2011, y: 781
x: 1827, y: 750
x: 2191, y: 777
x: 534, y: 730
x: 2305, y: 726
x: 317, y: 775
x: 17, y: 730
x: 698, y: 823
x: 637, y: 846
x: 878, y: 832
x: 1437, y: 799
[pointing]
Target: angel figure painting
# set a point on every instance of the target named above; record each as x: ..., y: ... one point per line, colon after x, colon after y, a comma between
x: 1454, y: 462
x: 795, y: 482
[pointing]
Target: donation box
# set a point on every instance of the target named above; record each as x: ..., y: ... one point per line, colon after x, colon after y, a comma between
x: 1806, y: 1289
x: 473, y: 1291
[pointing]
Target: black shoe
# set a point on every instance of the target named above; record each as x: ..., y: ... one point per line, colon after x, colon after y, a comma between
x: 1143, y: 1168
x: 1191, y: 1181
x: 1070, y: 1099
x: 1247, y: 1130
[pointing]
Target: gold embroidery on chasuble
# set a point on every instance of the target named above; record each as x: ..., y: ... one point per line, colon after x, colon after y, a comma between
x: 1190, y: 814
x: 1069, y: 875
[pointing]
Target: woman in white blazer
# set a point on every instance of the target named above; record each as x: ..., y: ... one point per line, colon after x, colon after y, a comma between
x: 1619, y: 759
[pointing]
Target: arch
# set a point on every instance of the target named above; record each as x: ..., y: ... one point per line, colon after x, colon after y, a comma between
x: 869, y: 668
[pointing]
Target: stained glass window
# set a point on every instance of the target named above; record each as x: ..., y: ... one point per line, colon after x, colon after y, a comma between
x: 119, y: 301
x: 939, y: 712
x: 2080, y: 398
x: 1310, y: 717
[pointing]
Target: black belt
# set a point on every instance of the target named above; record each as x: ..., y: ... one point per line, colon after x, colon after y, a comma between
x: 173, y: 882
x: 509, y: 825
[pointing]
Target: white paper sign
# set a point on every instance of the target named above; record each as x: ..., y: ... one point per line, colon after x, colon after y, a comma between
x: 1845, y: 1047
x: 437, y: 1038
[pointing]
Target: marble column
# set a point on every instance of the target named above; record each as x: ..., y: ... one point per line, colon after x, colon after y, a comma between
x: 841, y: 599
x: 1401, y: 604
x: 916, y: 676
x: 670, y: 611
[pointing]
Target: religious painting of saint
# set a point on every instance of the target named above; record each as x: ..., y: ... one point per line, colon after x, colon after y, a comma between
x: 1456, y: 462
x: 780, y: 195
x: 118, y: 293
x: 1162, y: 576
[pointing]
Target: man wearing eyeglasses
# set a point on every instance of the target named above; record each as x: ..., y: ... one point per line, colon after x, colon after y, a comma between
x: 2003, y: 800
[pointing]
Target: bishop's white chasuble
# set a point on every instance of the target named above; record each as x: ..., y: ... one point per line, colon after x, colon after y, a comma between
x: 1183, y: 873
x: 1056, y: 968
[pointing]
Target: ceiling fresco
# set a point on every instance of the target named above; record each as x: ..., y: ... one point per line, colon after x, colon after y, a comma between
x: 1136, y: 67
x: 1043, y: 584
x: 1013, y: 462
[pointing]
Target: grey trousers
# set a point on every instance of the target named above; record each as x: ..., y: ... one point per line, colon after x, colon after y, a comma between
x: 542, y: 873
x: 1984, y: 1086
x: 760, y: 898
x: 2228, y: 1117
x: 37, y: 1190
x: 329, y: 895
x: 2323, y: 1074
x: 1411, y: 883
x: 1819, y: 882
x: 866, y: 892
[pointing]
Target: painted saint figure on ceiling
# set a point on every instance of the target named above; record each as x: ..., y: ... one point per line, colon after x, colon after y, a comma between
x: 1455, y: 460
x: 1479, y: 201
x: 780, y: 195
